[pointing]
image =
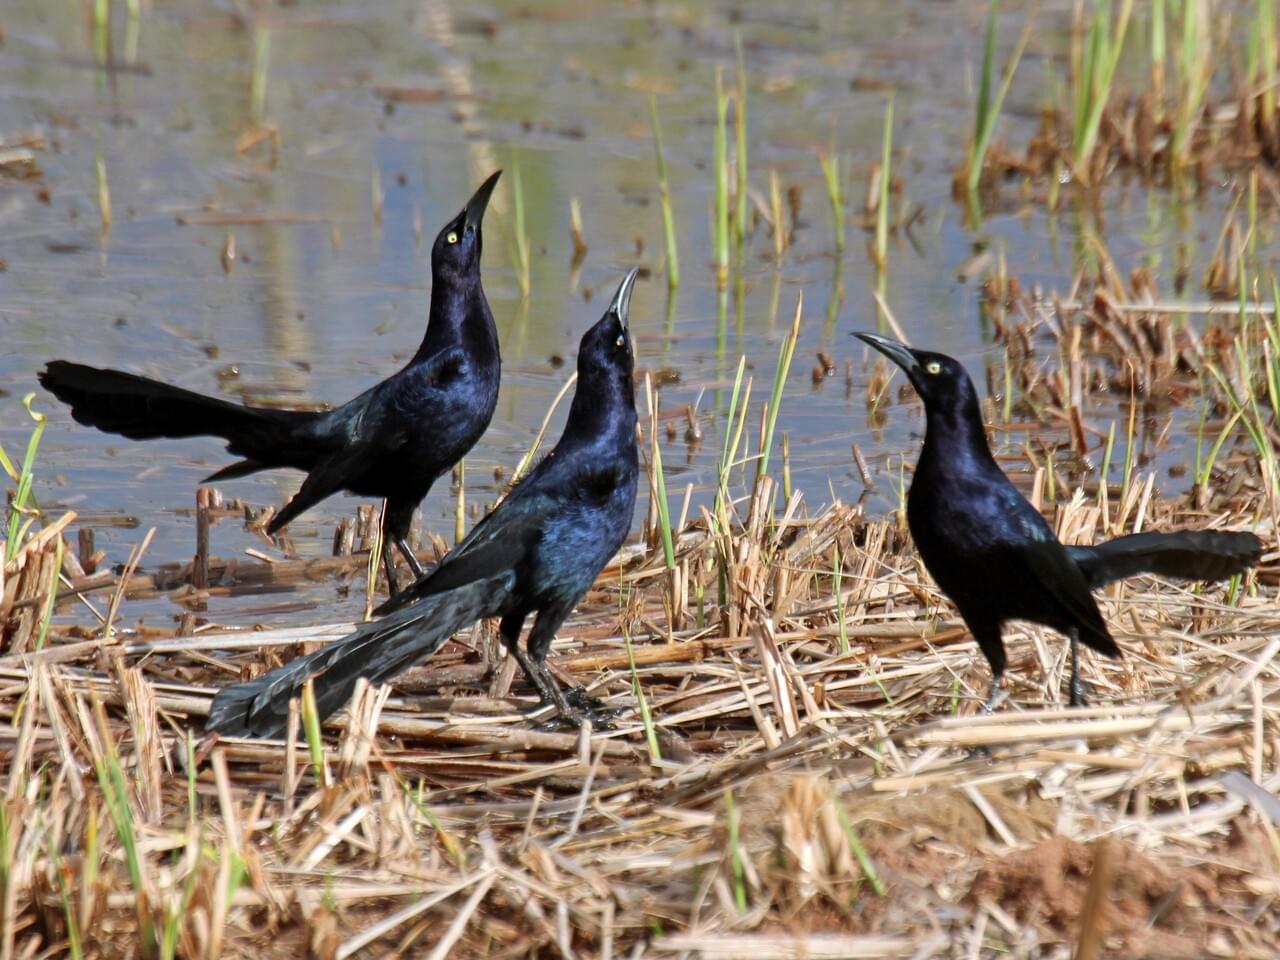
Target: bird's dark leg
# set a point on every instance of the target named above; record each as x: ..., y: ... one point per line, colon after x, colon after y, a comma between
x: 1078, y: 686
x: 397, y: 518
x: 995, y: 696
x: 548, y: 690
x: 389, y: 567
x: 578, y: 704
x: 987, y: 633
x: 411, y: 558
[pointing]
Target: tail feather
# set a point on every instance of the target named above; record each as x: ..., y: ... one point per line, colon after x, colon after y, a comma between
x: 143, y: 409
x: 241, y: 468
x: 376, y: 651
x: 1188, y: 554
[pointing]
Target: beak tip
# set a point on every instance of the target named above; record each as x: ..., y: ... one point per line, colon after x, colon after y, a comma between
x: 475, y: 208
x: 899, y: 353
x: 621, y: 303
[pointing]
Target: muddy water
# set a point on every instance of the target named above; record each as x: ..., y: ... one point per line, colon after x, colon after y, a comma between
x: 416, y: 102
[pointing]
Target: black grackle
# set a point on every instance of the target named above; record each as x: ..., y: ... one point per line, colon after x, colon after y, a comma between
x: 538, y: 552
x: 392, y: 441
x: 993, y: 553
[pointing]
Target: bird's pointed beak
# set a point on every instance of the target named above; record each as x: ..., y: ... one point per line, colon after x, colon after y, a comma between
x: 473, y: 212
x: 620, y: 307
x: 899, y: 353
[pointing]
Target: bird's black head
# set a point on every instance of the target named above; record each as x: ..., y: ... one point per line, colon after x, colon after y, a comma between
x: 605, y: 359
x: 606, y: 347
x: 943, y: 384
x: 455, y: 254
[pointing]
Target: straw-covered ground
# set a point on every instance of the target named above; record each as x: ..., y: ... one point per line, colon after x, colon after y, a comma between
x: 799, y: 767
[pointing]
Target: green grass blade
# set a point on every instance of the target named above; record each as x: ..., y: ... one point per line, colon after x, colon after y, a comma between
x: 1107, y: 56
x: 735, y: 853
x: 985, y: 130
x: 721, y: 174
x: 859, y: 851
x: 664, y: 194
x: 886, y: 178
x: 650, y: 731
x: 785, y: 354
x: 740, y: 127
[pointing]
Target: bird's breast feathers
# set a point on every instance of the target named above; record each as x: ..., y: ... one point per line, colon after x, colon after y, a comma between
x: 990, y: 514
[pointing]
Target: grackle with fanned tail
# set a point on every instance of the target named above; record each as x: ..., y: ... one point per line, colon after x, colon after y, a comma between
x: 392, y: 441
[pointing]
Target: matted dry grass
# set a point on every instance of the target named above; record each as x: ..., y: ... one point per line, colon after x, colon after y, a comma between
x: 801, y: 801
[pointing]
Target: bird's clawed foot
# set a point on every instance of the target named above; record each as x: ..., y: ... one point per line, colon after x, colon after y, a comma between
x: 593, y: 709
x: 995, y: 697
x: 571, y: 709
x: 574, y: 708
x: 578, y: 698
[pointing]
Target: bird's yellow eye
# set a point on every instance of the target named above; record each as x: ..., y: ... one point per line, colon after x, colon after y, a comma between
x: 452, y: 237
x: 933, y: 366
x: 622, y: 340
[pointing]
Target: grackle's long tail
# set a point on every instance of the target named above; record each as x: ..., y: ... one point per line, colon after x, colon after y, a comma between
x: 143, y: 409
x: 1186, y: 554
x: 375, y: 651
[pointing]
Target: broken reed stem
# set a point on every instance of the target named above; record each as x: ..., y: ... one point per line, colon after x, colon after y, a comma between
x: 374, y: 562
x: 200, y: 563
x: 1089, y: 945
x: 51, y: 595
x: 575, y: 231
x: 781, y: 235
x: 525, y: 461
x: 135, y: 556
x: 377, y: 196
x: 460, y: 509
x: 104, y: 191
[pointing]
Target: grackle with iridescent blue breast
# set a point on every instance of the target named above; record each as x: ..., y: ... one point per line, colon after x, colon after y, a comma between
x: 538, y: 553
x: 993, y: 553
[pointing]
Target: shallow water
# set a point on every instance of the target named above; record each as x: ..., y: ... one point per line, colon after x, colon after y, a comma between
x: 320, y: 309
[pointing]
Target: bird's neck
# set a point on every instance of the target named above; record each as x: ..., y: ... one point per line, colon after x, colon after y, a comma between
x: 603, y: 410
x: 957, y: 438
x: 459, y: 316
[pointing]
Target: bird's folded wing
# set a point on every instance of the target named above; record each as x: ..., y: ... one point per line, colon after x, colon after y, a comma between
x: 499, y: 542
x: 1050, y: 564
